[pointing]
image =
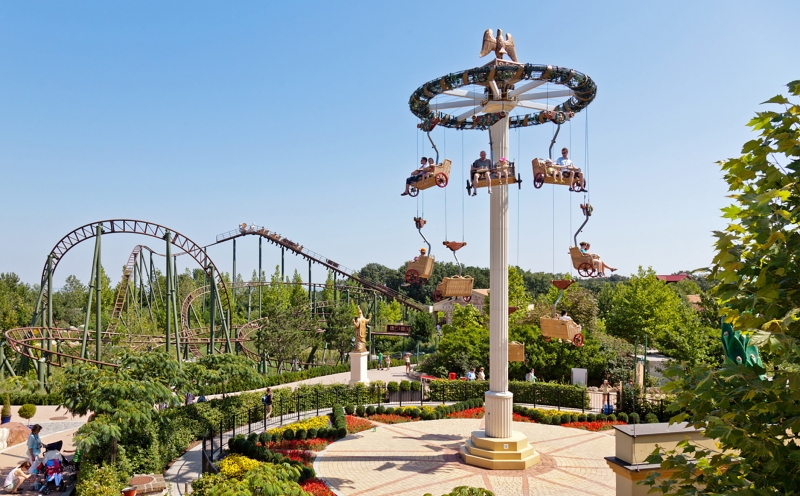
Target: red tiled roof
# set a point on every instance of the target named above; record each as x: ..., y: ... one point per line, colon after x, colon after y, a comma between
x: 673, y: 277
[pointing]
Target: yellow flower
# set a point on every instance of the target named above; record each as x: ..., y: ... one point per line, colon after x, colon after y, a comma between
x: 235, y: 466
x: 312, y: 423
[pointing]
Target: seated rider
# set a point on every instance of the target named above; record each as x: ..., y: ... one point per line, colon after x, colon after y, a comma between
x: 481, y: 166
x: 416, y: 175
x: 552, y: 170
x: 502, y: 168
x: 599, y: 265
x: 568, y: 167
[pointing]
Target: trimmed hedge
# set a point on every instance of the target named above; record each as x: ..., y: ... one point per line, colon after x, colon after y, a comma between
x: 540, y: 393
x: 243, y: 446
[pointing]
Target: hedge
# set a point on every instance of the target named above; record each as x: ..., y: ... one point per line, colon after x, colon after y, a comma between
x: 540, y: 393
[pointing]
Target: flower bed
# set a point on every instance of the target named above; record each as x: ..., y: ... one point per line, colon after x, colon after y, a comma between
x: 315, y: 444
x: 355, y: 424
x: 312, y: 423
x: 316, y: 487
x: 391, y: 418
x: 301, y: 456
x: 597, y: 425
x: 516, y: 417
x: 469, y: 413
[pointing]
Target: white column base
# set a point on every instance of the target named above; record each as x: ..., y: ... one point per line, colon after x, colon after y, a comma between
x: 358, y: 367
x: 499, y: 409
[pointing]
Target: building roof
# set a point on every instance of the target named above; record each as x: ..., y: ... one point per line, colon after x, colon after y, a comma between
x: 673, y: 277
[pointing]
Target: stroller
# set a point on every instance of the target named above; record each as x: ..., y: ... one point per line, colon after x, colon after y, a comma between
x: 50, y: 470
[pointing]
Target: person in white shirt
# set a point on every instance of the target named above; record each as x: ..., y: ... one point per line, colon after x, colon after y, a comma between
x: 564, y: 316
x: 530, y: 376
x: 481, y: 374
x: 16, y: 477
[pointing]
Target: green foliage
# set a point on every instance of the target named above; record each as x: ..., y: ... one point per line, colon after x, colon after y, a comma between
x: 100, y: 481
x: 758, y: 274
x: 464, y: 344
x: 268, y: 479
x: 645, y: 306
x: 360, y: 410
x: 17, y: 301
x: 467, y: 491
x: 27, y: 411
x: 405, y: 385
x: 349, y: 409
x: 422, y: 328
x: 6, y: 406
x: 540, y: 393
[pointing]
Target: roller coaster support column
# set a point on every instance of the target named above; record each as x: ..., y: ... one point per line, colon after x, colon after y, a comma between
x: 176, y: 321
x: 260, y: 280
x: 309, y: 282
x: 283, y: 264
x: 212, y: 309
x: 168, y: 313
x: 498, y: 398
x: 98, y: 288
x: 49, y: 311
x: 84, y: 343
x: 233, y: 274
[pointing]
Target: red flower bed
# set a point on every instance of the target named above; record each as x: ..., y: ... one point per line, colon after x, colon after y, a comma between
x: 357, y: 424
x: 303, y: 457
x: 316, y: 487
x: 391, y: 418
x: 597, y: 425
x: 516, y: 417
x: 469, y: 413
x: 315, y: 444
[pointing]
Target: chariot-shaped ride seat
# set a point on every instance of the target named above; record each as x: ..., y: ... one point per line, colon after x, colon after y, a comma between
x: 544, y: 172
x: 454, y: 286
x: 583, y: 262
x: 420, y: 269
x: 428, y: 177
x: 502, y: 172
x: 566, y: 330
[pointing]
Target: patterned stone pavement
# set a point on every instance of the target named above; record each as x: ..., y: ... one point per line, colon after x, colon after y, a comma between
x: 422, y: 457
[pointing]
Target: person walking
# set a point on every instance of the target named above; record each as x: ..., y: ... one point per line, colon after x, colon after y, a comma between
x: 388, y: 362
x: 407, y: 360
x: 380, y: 360
x: 267, y: 401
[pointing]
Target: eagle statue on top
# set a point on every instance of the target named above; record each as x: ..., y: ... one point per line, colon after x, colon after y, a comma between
x: 498, y: 45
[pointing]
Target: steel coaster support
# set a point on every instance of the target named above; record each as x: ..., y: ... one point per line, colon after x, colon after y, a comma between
x: 97, y: 290
x: 283, y: 263
x: 260, y: 280
x: 84, y: 341
x: 168, y: 313
x: 49, y: 310
x: 212, y: 309
x: 233, y: 275
x: 175, y: 321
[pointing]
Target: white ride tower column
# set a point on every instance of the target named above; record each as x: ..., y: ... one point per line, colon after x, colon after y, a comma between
x: 498, y: 447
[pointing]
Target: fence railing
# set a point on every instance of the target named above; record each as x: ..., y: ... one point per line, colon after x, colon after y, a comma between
x: 288, y: 410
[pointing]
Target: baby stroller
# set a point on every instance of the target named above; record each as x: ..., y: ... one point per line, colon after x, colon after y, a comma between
x: 49, y: 470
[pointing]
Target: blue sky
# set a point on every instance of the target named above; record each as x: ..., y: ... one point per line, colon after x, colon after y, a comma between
x: 294, y: 115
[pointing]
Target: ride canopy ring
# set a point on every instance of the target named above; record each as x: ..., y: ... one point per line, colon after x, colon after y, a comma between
x: 499, y: 78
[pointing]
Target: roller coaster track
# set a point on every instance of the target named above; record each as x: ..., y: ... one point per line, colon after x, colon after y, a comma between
x: 129, y: 226
x: 325, y: 262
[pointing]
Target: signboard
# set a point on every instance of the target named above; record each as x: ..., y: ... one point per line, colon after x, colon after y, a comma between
x: 516, y: 352
x: 579, y: 377
x: 404, y: 328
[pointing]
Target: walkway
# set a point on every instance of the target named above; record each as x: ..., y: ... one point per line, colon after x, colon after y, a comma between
x: 422, y: 457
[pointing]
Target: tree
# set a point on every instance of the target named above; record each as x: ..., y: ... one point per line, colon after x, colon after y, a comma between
x: 17, y: 300
x: 464, y: 344
x: 288, y: 331
x: 644, y: 306
x: 422, y: 328
x: 339, y: 327
x: 755, y: 422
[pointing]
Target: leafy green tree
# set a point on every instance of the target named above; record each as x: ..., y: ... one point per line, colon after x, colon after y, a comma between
x: 287, y: 332
x: 339, y: 329
x: 17, y: 300
x: 464, y: 344
x: 755, y: 422
x: 422, y: 328
x: 232, y: 372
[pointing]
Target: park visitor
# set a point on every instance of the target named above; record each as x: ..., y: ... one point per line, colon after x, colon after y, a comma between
x: 380, y: 360
x: 481, y: 375
x: 16, y: 477
x: 267, y: 401
x: 530, y: 376
x: 481, y: 166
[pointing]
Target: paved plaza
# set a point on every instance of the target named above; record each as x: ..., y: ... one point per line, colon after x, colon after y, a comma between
x: 422, y: 457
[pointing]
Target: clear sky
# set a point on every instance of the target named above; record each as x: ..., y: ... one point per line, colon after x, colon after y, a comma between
x: 294, y: 115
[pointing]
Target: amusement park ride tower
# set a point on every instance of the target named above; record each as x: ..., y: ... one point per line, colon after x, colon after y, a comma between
x: 483, y: 98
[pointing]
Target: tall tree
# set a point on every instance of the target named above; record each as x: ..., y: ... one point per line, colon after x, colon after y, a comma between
x: 755, y: 422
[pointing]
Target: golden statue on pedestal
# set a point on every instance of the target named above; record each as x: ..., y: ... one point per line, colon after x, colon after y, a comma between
x: 360, y: 323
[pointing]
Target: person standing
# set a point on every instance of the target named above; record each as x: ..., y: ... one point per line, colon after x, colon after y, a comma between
x: 407, y: 360
x: 388, y: 362
x: 380, y: 360
x: 606, y: 396
x: 471, y: 374
x: 267, y: 400
x: 34, y: 444
x: 481, y: 374
x: 531, y: 376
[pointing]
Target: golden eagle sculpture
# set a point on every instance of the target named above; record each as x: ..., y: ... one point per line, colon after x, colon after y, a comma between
x: 498, y: 45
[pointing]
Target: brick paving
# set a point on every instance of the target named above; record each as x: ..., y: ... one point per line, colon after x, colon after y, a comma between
x: 422, y: 457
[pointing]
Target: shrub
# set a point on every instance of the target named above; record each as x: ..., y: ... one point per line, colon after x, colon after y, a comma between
x: 27, y: 411
x: 103, y: 481
x: 573, y: 417
x: 582, y: 417
x: 392, y: 386
x: 591, y: 417
x: 405, y: 385
x: 265, y: 437
x: 370, y: 410
x: 341, y: 432
x: 634, y: 417
x: 380, y: 410
x: 313, y: 433
x: 415, y: 386
x: 300, y: 434
x: 612, y: 418
x: 389, y: 410
x: 602, y: 417
x: 349, y: 409
x: 322, y: 433
x: 414, y: 413
x: 360, y: 411
x: 651, y: 418
x: 623, y: 417
x: 288, y: 434
x: 252, y: 438
x: 6, y: 406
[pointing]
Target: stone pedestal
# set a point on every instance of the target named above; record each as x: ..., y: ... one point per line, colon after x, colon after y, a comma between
x: 499, y: 453
x: 358, y: 367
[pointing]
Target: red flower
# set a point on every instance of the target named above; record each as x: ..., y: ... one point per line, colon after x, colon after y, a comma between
x: 391, y: 418
x: 356, y: 424
x: 315, y: 444
x: 469, y: 413
x: 316, y: 487
x: 597, y: 425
